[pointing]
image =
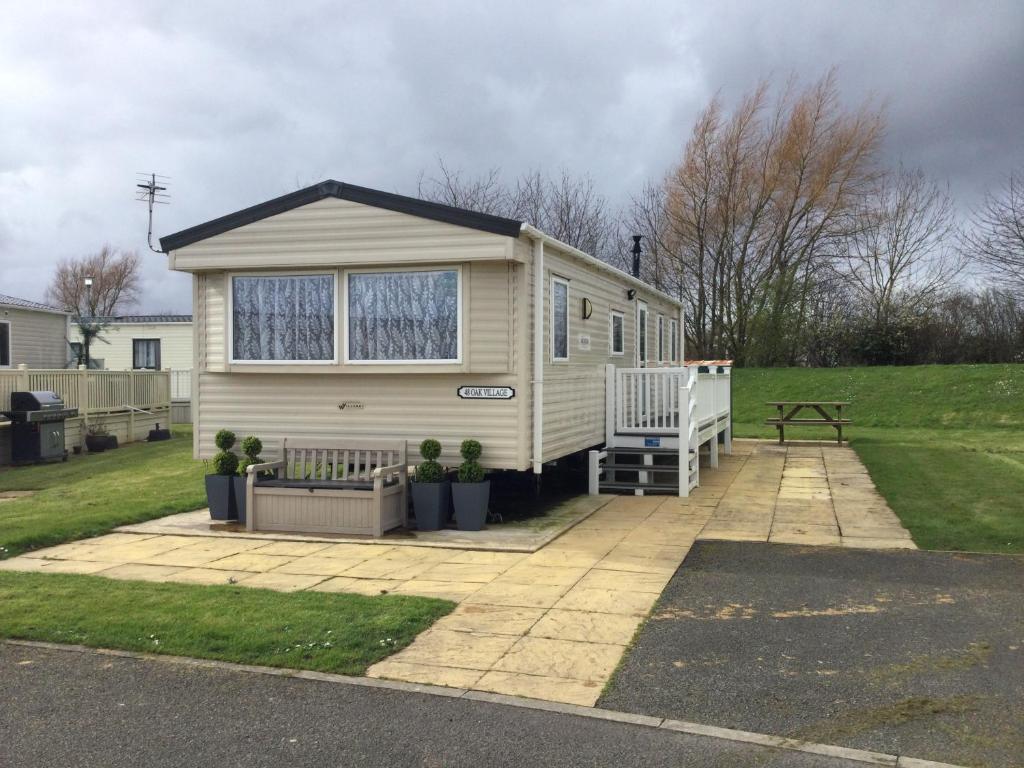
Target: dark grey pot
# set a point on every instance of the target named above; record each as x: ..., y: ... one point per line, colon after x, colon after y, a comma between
x: 470, y: 500
x: 218, y: 496
x: 95, y: 443
x: 238, y: 497
x: 430, y: 503
x: 111, y: 441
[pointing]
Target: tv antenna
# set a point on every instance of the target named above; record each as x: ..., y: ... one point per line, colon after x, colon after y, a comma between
x: 151, y: 188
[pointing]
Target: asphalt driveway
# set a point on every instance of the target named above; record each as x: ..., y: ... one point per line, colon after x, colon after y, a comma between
x: 906, y: 652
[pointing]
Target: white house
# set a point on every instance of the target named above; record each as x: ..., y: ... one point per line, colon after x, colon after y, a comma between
x: 141, y: 342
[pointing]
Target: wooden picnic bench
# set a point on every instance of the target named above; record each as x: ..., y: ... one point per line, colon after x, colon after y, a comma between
x: 789, y: 409
x: 329, y: 486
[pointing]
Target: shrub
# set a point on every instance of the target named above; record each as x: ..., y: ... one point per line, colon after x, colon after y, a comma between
x: 470, y: 470
x: 251, y: 447
x: 224, y: 439
x: 428, y: 470
x: 225, y: 463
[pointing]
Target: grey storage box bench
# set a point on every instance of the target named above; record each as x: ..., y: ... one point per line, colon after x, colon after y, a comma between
x: 354, y: 487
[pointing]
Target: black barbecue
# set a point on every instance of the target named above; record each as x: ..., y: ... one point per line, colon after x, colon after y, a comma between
x: 37, y: 427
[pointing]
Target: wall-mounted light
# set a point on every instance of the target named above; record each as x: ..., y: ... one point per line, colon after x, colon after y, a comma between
x: 631, y: 293
x: 588, y: 309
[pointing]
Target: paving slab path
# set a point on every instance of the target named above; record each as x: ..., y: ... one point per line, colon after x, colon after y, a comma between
x: 552, y: 624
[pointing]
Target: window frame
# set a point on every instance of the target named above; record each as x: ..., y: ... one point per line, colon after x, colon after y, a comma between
x: 10, y: 344
x: 644, y: 359
x: 460, y: 314
x: 612, y: 314
x: 558, y: 280
x: 230, y: 319
x: 135, y: 366
x: 673, y: 336
x: 661, y: 338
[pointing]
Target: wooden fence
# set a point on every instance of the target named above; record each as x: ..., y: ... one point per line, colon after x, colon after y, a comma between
x: 127, y: 403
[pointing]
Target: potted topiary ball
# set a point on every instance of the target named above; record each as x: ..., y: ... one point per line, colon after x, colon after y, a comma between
x: 219, y: 485
x: 472, y: 493
x: 431, y: 491
x: 251, y: 447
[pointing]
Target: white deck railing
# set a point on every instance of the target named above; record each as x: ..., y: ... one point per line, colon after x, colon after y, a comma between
x: 181, y: 384
x: 647, y: 400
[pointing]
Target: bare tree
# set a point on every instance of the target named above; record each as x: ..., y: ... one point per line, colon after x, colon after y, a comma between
x: 996, y: 239
x: 899, y: 254
x: 114, y: 278
x: 755, y: 208
x: 567, y: 207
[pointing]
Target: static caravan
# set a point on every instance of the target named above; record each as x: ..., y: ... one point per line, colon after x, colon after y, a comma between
x: 32, y: 334
x: 141, y: 342
x: 343, y: 312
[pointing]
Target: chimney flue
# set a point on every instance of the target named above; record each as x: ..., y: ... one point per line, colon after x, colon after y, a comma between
x: 636, y: 255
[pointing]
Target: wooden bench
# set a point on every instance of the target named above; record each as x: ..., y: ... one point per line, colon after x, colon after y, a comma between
x: 788, y: 418
x: 330, y: 486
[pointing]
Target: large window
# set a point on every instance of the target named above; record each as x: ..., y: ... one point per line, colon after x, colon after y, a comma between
x: 5, y: 345
x: 559, y: 319
x: 616, y: 334
x: 282, y: 318
x: 146, y: 354
x: 404, y: 316
x: 674, y: 339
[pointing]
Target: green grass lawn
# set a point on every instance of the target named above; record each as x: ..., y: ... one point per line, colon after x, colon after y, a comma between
x: 305, y: 630
x: 944, y: 444
x: 91, y: 494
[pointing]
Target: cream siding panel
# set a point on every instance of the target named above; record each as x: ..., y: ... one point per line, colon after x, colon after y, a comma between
x: 216, y: 321
x: 115, y: 345
x: 574, y: 391
x: 333, y: 232
x: 487, y: 322
x: 394, y: 406
x: 38, y: 339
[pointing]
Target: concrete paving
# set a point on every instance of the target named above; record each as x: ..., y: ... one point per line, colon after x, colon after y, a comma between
x: 552, y: 624
x: 918, y: 653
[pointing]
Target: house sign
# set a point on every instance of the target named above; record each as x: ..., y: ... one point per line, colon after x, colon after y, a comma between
x: 486, y: 393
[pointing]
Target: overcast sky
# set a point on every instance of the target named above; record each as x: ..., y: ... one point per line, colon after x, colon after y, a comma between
x: 239, y: 104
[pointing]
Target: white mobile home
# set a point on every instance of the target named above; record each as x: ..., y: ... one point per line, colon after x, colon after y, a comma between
x: 32, y: 334
x: 141, y: 342
x: 340, y: 311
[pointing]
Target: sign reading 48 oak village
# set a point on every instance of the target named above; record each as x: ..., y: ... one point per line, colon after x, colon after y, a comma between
x: 486, y: 393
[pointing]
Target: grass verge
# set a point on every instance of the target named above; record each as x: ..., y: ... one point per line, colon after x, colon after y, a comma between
x: 340, y: 633
x: 943, y: 444
x: 93, y: 493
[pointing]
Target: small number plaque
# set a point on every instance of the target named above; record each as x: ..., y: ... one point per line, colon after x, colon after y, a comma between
x: 486, y: 393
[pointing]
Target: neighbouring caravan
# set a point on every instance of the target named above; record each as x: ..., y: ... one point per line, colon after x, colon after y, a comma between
x: 141, y: 342
x: 32, y: 334
x: 341, y: 311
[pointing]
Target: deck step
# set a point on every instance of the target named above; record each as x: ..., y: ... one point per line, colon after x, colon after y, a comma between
x: 646, y: 487
x: 642, y: 467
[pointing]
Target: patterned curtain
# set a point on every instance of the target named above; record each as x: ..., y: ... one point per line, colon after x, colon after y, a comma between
x: 289, y: 317
x: 403, y: 315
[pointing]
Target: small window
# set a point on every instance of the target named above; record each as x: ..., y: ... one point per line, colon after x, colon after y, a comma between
x: 407, y: 316
x: 5, y: 345
x: 641, y: 333
x: 616, y: 334
x: 146, y: 354
x: 282, y: 318
x: 674, y: 339
x: 559, y: 319
x: 661, y: 338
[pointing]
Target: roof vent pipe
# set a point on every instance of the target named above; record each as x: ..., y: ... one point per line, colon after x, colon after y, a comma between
x: 636, y: 256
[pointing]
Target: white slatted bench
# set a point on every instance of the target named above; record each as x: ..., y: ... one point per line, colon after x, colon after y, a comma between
x: 330, y: 486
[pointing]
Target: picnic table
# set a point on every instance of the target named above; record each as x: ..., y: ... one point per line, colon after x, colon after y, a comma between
x: 789, y: 409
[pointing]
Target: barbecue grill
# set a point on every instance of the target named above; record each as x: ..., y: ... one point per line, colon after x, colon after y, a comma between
x: 37, y: 427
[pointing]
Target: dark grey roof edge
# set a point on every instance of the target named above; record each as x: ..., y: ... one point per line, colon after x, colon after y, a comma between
x: 400, y: 203
x: 16, y: 301
x: 138, y: 319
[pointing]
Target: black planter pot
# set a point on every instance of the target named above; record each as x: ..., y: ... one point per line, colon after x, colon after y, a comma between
x: 238, y: 498
x: 430, y: 502
x: 96, y: 443
x: 218, y: 496
x: 471, y: 501
x: 111, y: 441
